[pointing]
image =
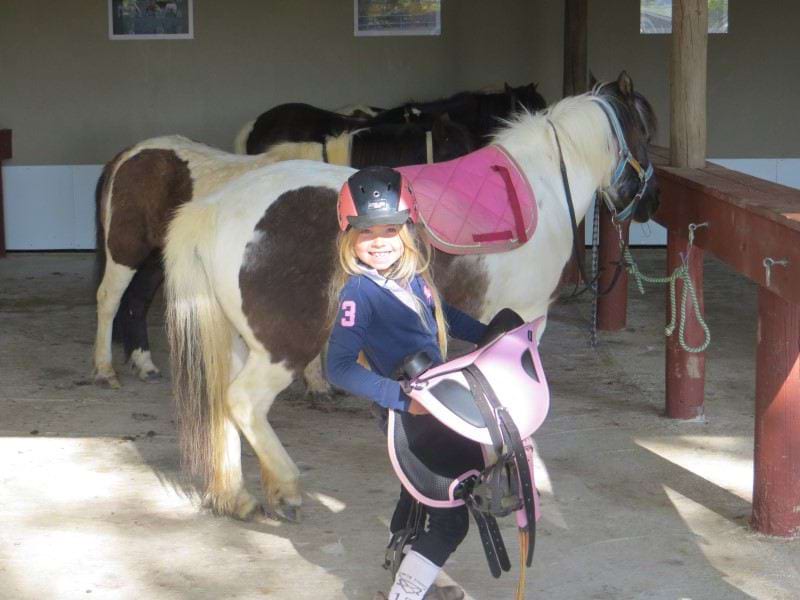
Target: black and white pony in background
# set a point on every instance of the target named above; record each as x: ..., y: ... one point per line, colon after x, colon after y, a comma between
x: 248, y: 269
x: 480, y: 112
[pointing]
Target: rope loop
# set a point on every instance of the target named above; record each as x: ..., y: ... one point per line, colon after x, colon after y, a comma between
x: 682, y: 273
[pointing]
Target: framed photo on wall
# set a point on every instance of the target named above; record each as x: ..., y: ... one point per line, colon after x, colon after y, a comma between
x: 150, y: 20
x: 397, y: 17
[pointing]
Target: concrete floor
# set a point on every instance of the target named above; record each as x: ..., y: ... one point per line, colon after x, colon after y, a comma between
x: 634, y: 505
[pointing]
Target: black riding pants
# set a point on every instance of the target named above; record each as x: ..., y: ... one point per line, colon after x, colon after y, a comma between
x: 448, y: 454
x: 445, y: 529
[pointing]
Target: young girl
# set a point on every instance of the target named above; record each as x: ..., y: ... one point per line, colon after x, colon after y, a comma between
x: 388, y: 308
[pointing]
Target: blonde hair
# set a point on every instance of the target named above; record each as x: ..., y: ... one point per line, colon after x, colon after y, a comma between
x: 415, y: 260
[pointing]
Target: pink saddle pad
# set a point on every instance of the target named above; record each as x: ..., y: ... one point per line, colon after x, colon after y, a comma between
x: 478, y: 203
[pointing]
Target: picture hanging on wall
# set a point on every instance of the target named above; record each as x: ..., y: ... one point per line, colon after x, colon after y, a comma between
x: 397, y: 17
x: 150, y: 20
x: 656, y: 16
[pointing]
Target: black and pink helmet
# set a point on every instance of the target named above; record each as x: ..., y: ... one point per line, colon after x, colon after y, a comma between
x: 376, y: 196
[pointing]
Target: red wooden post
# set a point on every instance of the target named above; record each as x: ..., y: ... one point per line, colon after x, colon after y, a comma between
x: 776, y: 489
x: 685, y: 371
x: 5, y: 153
x: 612, y: 308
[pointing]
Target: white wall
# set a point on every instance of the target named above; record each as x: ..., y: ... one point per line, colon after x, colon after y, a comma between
x: 50, y: 207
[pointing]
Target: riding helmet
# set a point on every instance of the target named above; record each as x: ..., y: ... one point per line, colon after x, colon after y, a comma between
x: 376, y: 196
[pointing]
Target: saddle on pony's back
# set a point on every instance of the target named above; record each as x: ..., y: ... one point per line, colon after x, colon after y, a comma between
x: 478, y: 203
x: 475, y: 447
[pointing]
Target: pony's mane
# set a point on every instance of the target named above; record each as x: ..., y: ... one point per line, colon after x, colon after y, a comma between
x: 582, y: 129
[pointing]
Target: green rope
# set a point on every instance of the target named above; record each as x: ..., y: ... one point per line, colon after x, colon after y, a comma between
x: 681, y: 272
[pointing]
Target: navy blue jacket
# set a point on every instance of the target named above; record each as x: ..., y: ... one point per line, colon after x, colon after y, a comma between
x: 371, y: 318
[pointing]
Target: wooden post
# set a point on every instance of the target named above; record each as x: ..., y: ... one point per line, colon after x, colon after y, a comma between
x: 576, y: 81
x: 776, y: 489
x: 612, y: 308
x: 576, y: 71
x: 685, y: 372
x: 688, y: 68
x: 5, y: 153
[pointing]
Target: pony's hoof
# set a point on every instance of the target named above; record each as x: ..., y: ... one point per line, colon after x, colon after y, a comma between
x: 255, y: 514
x: 150, y: 376
x: 289, y: 512
x: 107, y: 381
x: 240, y: 506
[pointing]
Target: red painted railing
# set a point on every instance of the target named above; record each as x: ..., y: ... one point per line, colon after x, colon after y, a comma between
x: 749, y: 221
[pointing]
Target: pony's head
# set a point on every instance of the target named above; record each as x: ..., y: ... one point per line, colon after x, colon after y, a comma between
x: 451, y: 139
x: 526, y: 96
x: 634, y: 189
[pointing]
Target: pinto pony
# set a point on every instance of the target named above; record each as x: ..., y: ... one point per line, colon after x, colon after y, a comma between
x: 141, y: 187
x: 248, y: 270
x: 136, y: 194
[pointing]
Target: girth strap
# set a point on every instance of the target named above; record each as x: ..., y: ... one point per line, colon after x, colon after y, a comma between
x: 486, y: 408
x: 488, y: 405
x: 524, y: 474
x: 492, y: 539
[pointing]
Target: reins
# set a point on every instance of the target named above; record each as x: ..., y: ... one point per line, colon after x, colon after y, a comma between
x: 590, y: 282
x: 625, y: 158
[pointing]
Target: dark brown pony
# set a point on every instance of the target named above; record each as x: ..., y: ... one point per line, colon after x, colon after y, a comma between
x: 481, y: 112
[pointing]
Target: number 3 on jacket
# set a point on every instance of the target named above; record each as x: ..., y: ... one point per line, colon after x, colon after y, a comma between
x: 349, y: 318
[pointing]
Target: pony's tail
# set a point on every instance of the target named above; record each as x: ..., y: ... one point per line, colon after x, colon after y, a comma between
x: 102, y: 193
x: 240, y: 141
x: 200, y: 345
x: 100, y: 231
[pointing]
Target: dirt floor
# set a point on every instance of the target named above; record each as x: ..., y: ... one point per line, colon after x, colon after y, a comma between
x: 635, y: 506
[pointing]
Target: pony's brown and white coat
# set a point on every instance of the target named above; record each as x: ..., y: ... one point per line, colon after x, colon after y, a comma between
x: 259, y: 273
x: 139, y: 190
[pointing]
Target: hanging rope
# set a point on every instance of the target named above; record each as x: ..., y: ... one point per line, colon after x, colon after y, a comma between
x: 681, y: 272
x: 595, y: 270
x: 523, y: 557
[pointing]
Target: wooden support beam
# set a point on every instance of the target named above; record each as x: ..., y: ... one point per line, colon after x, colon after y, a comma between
x: 688, y: 73
x: 576, y: 34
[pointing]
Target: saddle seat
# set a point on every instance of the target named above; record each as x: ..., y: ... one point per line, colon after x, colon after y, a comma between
x: 478, y: 203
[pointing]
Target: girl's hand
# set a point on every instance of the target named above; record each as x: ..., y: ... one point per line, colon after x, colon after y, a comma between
x: 415, y: 408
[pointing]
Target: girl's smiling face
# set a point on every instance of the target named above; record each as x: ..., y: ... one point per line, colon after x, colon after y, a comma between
x: 379, y: 246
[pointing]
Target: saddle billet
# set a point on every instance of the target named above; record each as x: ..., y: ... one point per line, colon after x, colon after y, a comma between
x: 484, y: 408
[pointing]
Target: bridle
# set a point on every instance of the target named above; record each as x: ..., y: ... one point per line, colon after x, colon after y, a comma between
x: 624, y: 158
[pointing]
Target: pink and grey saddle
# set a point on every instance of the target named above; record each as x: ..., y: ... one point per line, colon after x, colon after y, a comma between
x: 475, y: 447
x: 478, y: 203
